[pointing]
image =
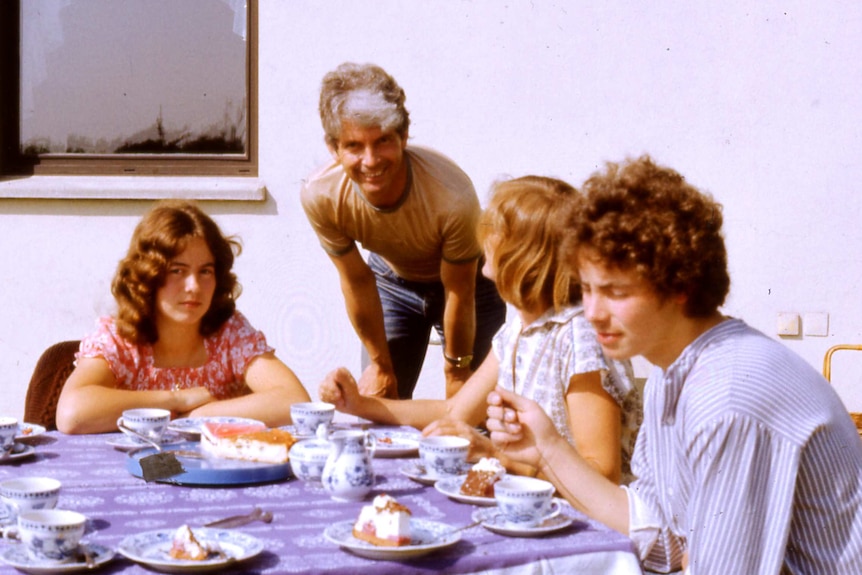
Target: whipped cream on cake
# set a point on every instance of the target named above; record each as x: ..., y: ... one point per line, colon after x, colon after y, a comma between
x: 185, y: 546
x: 482, y: 476
x: 248, y: 442
x: 385, y: 523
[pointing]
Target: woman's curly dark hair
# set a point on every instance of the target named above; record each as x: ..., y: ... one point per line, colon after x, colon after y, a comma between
x: 524, y: 219
x: 161, y: 236
x: 641, y: 216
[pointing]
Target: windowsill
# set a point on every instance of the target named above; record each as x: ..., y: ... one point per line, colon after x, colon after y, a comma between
x: 134, y: 188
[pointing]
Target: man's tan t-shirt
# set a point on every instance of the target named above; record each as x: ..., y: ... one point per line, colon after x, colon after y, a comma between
x: 435, y: 219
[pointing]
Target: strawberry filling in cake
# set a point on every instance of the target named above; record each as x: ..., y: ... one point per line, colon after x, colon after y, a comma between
x: 481, y: 478
x: 248, y: 442
x: 384, y: 523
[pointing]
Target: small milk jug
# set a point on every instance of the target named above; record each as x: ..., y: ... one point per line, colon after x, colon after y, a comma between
x: 347, y: 475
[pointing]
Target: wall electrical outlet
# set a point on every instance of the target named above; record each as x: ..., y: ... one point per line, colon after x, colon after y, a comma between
x: 816, y: 324
x: 788, y: 323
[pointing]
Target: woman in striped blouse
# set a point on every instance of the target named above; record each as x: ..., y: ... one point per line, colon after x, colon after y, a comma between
x: 746, y: 461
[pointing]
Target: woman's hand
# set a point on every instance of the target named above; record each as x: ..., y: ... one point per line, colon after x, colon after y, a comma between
x: 187, y: 400
x: 340, y: 388
x: 480, y: 446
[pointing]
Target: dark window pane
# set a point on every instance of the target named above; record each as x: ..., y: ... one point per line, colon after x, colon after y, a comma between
x: 133, y: 76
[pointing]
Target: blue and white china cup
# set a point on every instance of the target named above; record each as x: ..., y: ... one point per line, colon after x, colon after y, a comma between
x: 8, y: 431
x: 524, y: 501
x: 51, y: 536
x: 308, y: 458
x: 443, y: 455
x: 307, y: 416
x: 147, y: 421
x: 28, y: 494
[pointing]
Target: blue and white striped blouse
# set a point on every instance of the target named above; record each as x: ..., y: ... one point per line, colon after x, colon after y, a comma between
x: 748, y: 460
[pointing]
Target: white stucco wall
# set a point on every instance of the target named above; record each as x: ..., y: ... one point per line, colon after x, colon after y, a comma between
x: 756, y: 102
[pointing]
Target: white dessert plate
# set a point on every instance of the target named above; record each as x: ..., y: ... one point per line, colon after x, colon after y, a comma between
x: 124, y: 442
x: 152, y: 548
x: 416, y: 471
x: 18, y: 557
x: 395, y: 441
x: 19, y: 451
x: 451, y: 487
x: 206, y: 470
x: 426, y: 536
x: 26, y: 430
x: 493, y: 520
x: 190, y: 427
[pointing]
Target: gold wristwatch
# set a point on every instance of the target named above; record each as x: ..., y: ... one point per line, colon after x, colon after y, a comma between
x: 461, y: 362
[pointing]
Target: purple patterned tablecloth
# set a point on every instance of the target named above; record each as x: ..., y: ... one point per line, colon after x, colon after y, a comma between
x: 96, y: 483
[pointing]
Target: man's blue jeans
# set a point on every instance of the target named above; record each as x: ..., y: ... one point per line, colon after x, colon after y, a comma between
x: 411, y: 309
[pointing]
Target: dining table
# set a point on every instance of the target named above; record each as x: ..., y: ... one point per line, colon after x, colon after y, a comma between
x: 97, y: 481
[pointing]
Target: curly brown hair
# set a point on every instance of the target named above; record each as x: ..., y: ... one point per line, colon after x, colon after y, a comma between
x: 642, y: 216
x: 385, y: 109
x: 524, y: 219
x: 159, y: 237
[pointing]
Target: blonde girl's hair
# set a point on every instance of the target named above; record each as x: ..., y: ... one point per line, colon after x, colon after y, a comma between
x: 524, y: 220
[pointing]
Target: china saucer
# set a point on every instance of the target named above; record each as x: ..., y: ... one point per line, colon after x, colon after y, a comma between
x: 124, y: 442
x: 20, y: 451
x: 426, y: 536
x: 152, y: 549
x: 396, y: 441
x: 416, y: 471
x: 26, y: 430
x: 492, y: 519
x: 18, y: 557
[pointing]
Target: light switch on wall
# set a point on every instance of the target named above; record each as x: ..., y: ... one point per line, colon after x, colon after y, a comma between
x: 788, y: 323
x: 815, y: 323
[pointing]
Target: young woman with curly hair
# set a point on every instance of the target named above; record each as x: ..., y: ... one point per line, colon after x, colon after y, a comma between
x: 177, y: 341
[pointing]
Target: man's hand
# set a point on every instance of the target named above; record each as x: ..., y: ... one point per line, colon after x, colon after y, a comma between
x: 519, y: 427
x: 376, y: 382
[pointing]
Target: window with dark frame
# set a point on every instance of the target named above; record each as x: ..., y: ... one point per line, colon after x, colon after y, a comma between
x: 128, y: 87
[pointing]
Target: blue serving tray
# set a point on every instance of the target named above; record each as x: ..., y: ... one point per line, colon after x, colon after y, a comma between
x: 211, y: 471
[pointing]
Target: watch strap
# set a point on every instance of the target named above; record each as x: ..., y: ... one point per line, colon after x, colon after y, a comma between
x: 462, y: 362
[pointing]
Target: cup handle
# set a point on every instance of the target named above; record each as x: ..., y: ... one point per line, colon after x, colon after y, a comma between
x: 11, y: 533
x: 556, y: 509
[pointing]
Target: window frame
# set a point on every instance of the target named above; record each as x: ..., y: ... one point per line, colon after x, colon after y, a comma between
x: 13, y: 163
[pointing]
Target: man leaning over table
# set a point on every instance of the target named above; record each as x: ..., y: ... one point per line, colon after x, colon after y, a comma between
x: 747, y: 461
x: 415, y: 211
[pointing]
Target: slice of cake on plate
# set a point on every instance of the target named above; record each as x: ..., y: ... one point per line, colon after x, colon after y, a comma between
x: 385, y: 523
x: 481, y: 478
x: 248, y: 442
x: 185, y: 546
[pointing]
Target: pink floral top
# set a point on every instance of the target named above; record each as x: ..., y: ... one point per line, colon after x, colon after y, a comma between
x: 229, y: 352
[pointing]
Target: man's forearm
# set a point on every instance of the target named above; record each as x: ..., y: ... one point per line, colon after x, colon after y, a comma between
x: 584, y: 487
x: 459, y: 326
x: 366, y: 315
